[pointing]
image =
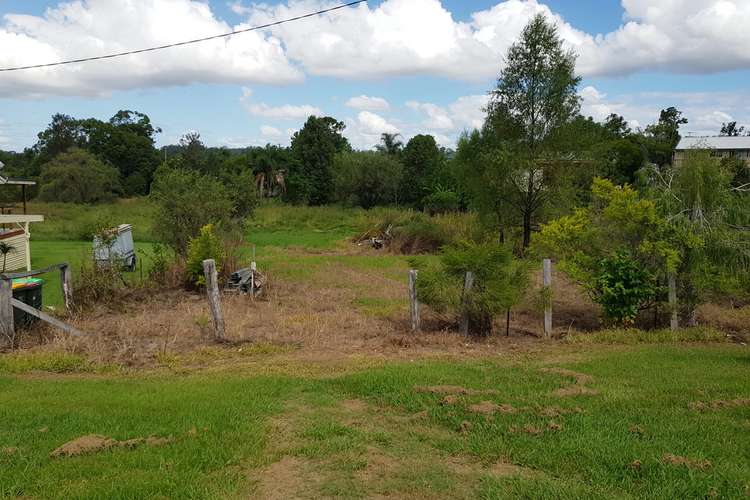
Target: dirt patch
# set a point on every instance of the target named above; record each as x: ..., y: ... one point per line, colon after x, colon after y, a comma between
x: 580, y: 378
x: 556, y: 411
x: 526, y: 429
x: 11, y: 450
x: 354, y: 405
x: 691, y: 463
x: 575, y: 390
x: 719, y: 404
x: 94, y: 443
x: 454, y: 390
x: 490, y: 408
x: 285, y: 479
x: 505, y: 469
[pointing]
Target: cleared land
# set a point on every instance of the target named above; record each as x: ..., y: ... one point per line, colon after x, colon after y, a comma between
x: 324, y: 393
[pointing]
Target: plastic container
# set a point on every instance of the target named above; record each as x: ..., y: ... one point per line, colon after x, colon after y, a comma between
x: 28, y: 291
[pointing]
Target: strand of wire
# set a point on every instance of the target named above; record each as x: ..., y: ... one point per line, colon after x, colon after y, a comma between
x: 186, y: 42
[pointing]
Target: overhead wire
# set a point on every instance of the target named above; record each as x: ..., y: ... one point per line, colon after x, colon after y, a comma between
x: 186, y: 42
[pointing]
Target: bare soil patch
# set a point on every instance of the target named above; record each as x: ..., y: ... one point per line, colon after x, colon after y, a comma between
x: 580, y: 378
x: 490, y: 408
x: 94, y: 443
x: 719, y: 404
x: 691, y: 463
x: 454, y: 390
x: 286, y: 479
x: 505, y: 469
x: 575, y: 390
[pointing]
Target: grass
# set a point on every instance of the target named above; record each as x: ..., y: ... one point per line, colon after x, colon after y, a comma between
x: 636, y: 336
x: 384, y: 445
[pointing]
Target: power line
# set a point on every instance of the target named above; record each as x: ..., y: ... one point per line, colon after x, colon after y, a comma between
x: 186, y: 42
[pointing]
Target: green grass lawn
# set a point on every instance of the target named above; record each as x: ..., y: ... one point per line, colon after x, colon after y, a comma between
x: 229, y: 428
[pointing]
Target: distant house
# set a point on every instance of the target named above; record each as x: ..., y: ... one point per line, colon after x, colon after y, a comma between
x: 721, y: 147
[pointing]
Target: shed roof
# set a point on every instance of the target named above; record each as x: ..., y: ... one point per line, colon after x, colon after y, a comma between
x: 721, y: 142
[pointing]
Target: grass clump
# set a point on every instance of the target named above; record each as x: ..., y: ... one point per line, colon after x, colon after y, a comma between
x: 52, y: 362
x: 636, y: 336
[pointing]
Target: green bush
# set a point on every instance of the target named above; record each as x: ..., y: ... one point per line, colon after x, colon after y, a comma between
x: 499, y: 282
x: 188, y: 200
x: 366, y: 179
x: 441, y: 201
x: 623, y: 287
x: 204, y: 246
x: 79, y: 177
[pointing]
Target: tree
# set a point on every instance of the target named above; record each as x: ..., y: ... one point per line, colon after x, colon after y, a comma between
x: 366, y: 179
x: 77, y: 176
x: 389, y: 144
x: 187, y: 200
x: 499, y: 282
x: 536, y: 94
x: 63, y: 133
x: 314, y: 147
x: 618, y: 248
x: 422, y: 160
x: 662, y: 137
x: 193, y: 151
x: 731, y: 129
x: 616, y: 126
x: 710, y: 218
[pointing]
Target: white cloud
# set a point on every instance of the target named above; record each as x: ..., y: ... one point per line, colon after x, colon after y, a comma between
x: 364, y: 132
x: 270, y: 132
x: 465, y: 113
x: 396, y: 37
x: 684, y: 36
x: 368, y: 103
x: 80, y: 29
x: 705, y: 111
x: 283, y: 112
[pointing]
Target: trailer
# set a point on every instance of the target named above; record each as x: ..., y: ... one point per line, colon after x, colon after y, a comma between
x: 115, y: 247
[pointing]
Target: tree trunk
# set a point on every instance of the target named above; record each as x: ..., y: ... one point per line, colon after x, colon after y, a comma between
x: 526, y: 229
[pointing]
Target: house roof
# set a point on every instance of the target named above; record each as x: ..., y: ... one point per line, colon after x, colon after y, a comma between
x: 722, y: 142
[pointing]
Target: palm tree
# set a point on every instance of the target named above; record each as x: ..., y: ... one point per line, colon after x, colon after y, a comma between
x: 389, y: 144
x: 5, y: 249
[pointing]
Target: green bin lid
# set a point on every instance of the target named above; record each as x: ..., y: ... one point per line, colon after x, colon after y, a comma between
x: 26, y: 282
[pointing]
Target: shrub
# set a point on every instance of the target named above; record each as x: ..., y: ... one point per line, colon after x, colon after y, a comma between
x: 79, y: 177
x: 188, y: 200
x: 499, y: 281
x: 366, y: 179
x: 204, y: 246
x: 441, y: 201
x: 623, y: 287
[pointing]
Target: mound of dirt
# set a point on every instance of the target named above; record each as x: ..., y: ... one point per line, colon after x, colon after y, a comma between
x: 575, y: 390
x: 580, y: 378
x: 691, y: 463
x: 454, y: 390
x: 490, y: 408
x: 94, y: 443
x: 719, y: 404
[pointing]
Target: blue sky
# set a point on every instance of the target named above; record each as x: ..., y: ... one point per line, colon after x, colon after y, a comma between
x: 412, y: 66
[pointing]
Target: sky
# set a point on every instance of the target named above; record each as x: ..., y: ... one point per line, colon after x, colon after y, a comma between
x: 396, y: 66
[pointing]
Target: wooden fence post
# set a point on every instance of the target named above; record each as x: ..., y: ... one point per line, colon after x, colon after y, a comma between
x: 7, y: 328
x: 214, y: 298
x: 468, y: 285
x: 413, y: 301
x: 66, y: 281
x: 547, y: 283
x: 673, y: 321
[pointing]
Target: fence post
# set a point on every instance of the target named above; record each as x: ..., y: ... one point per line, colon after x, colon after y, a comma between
x: 214, y: 298
x: 413, y: 301
x: 468, y: 284
x: 673, y: 321
x: 66, y: 281
x: 547, y: 283
x: 7, y: 328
